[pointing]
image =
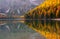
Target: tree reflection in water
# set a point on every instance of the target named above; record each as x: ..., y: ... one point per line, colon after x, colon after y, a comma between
x: 17, y: 30
x: 49, y: 28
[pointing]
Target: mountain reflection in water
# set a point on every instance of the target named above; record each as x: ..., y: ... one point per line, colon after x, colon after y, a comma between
x: 49, y: 28
x: 17, y: 30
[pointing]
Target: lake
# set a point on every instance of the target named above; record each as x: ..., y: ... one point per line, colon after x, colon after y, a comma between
x: 29, y: 29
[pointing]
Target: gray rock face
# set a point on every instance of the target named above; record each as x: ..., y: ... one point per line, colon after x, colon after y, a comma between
x: 19, y: 7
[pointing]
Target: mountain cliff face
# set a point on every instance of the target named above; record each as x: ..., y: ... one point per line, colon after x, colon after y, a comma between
x: 19, y: 7
x: 49, y: 9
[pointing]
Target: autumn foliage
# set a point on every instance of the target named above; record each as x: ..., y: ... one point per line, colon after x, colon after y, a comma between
x: 50, y: 9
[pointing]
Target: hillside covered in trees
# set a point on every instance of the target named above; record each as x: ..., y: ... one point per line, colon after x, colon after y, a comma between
x: 49, y: 9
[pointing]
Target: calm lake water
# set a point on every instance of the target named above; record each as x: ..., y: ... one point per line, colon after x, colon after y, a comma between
x: 29, y: 29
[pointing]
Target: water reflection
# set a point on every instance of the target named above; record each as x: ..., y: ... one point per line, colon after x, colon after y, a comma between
x: 49, y: 28
x: 17, y: 30
x: 13, y: 26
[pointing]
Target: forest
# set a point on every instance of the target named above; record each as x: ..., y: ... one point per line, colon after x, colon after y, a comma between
x: 47, y: 12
